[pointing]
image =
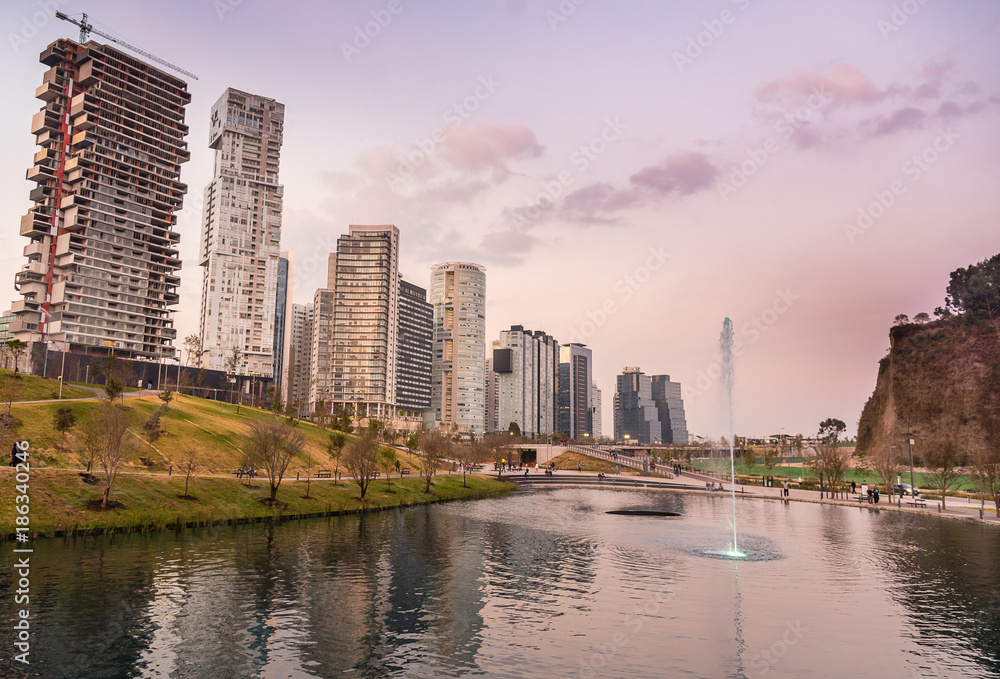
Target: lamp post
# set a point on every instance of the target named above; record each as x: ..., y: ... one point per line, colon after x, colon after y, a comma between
x: 909, y: 446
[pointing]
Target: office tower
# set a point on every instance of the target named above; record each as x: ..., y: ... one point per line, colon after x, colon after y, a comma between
x: 102, y: 253
x: 595, y: 408
x: 282, y: 346
x: 636, y: 416
x: 458, y: 392
x: 526, y: 365
x: 364, y: 281
x: 321, y: 351
x: 576, y: 374
x: 491, y: 383
x: 241, y: 234
x: 666, y: 396
x: 414, y: 355
x: 300, y: 357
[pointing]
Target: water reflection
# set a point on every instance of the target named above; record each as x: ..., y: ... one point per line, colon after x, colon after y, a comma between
x: 542, y: 584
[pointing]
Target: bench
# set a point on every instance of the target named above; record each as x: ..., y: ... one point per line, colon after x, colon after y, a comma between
x: 323, y: 474
x: 917, y: 502
x: 405, y: 470
x: 375, y: 475
x: 862, y: 498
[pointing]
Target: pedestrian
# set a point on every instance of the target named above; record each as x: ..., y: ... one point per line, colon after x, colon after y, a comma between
x: 579, y: 466
x: 854, y: 487
x: 13, y: 456
x: 784, y: 488
x: 875, y: 494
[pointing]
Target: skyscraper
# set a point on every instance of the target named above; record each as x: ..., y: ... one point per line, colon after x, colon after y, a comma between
x: 595, y: 407
x: 458, y: 392
x: 300, y: 357
x: 526, y: 365
x: 415, y: 355
x: 576, y: 374
x: 636, y: 416
x: 241, y: 233
x: 364, y: 280
x: 283, y: 324
x: 666, y: 396
x: 102, y: 253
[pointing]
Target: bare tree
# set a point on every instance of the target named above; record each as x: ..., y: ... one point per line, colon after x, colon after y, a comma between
x: 309, y: 472
x: 387, y: 458
x: 108, y: 429
x: 495, y: 447
x: 435, y: 446
x: 232, y: 365
x: 188, y: 466
x: 945, y: 460
x: 886, y: 464
x: 17, y: 349
x: 360, y: 460
x: 194, y: 348
x: 474, y: 453
x: 987, y: 475
x: 335, y: 448
x: 271, y: 446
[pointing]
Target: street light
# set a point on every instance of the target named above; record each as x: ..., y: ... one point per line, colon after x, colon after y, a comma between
x: 909, y: 445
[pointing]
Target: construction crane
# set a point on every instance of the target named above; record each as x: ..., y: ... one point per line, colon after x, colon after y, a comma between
x: 86, y: 28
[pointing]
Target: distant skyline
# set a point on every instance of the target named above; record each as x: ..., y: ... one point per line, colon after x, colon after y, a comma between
x: 629, y: 175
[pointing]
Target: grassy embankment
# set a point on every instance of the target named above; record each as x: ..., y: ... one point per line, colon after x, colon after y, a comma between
x: 570, y: 460
x: 32, y: 388
x: 150, y: 498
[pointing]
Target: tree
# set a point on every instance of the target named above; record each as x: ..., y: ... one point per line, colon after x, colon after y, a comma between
x: 274, y: 399
x: 513, y: 429
x: 435, y: 446
x: 472, y: 454
x: 321, y: 412
x: 309, y: 472
x: 413, y: 444
x: 901, y: 319
x: 17, y: 349
x: 387, y: 459
x: 831, y: 429
x: 63, y: 420
x: 334, y: 448
x: 495, y: 447
x: 831, y: 461
x: 886, y: 464
x: 151, y: 427
x: 376, y: 427
x: 166, y: 396
x: 271, y: 445
x: 922, y: 317
x: 944, y: 459
x: 194, y: 348
x: 108, y: 431
x: 770, y: 456
x: 232, y: 365
x: 974, y: 291
x: 188, y: 466
x: 987, y: 475
x: 113, y: 388
x: 749, y: 458
x: 360, y: 460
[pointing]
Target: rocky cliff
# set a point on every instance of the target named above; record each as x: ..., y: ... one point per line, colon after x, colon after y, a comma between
x: 944, y: 377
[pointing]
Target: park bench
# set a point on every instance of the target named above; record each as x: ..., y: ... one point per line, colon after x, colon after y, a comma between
x: 323, y: 474
x: 862, y: 498
x: 405, y: 470
x: 917, y: 502
x: 375, y: 475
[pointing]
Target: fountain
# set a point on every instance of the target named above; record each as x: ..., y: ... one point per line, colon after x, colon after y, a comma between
x: 726, y: 340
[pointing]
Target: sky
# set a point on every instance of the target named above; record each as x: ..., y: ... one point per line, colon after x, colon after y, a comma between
x: 630, y: 174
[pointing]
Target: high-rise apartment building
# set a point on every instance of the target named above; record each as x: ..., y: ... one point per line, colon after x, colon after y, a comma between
x: 102, y: 253
x: 666, y: 396
x: 595, y: 408
x: 576, y: 374
x: 526, y: 365
x: 458, y: 392
x: 283, y: 324
x: 321, y: 350
x: 296, y: 390
x: 364, y: 281
x: 491, y: 383
x: 414, y: 355
x: 241, y: 234
x: 636, y: 415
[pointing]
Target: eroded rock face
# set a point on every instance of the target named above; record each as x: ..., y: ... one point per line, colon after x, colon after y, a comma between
x: 942, y: 378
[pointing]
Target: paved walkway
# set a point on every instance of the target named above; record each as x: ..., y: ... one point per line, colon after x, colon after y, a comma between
x: 98, y: 393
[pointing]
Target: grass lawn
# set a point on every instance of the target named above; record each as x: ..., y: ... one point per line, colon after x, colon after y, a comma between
x: 59, y: 499
x: 570, y: 460
x: 33, y: 388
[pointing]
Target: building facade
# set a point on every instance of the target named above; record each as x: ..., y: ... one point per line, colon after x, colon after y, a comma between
x: 666, y: 396
x: 414, y: 354
x: 102, y: 261
x: 300, y: 358
x: 526, y: 366
x: 283, y: 324
x: 636, y: 415
x: 576, y: 375
x: 595, y: 408
x: 458, y: 390
x: 241, y: 234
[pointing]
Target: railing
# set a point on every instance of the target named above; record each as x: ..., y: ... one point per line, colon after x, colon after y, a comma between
x: 623, y: 460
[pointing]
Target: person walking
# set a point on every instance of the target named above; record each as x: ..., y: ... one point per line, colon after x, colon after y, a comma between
x: 854, y: 487
x: 784, y: 489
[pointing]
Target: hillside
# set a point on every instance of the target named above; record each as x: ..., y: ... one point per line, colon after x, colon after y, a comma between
x: 944, y: 377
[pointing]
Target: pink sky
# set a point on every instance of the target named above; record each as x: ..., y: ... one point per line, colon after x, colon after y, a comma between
x: 624, y: 185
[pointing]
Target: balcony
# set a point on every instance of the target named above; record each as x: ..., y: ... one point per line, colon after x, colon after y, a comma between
x: 44, y: 120
x: 83, y: 140
x: 35, y: 224
x: 36, y: 248
x: 48, y: 91
x: 40, y: 173
x: 85, y: 122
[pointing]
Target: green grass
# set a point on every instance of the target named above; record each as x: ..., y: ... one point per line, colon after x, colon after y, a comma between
x: 59, y: 500
x: 34, y: 388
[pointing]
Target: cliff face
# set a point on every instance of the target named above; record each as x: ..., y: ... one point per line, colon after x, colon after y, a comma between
x: 945, y: 378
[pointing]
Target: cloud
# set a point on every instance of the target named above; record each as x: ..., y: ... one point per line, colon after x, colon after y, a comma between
x: 907, y: 118
x: 488, y: 147
x: 843, y: 84
x: 684, y: 173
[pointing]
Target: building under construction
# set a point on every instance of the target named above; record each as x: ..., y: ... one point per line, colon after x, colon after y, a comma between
x: 102, y: 261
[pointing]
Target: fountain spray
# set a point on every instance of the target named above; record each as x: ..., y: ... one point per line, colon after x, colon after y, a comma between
x: 726, y: 340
